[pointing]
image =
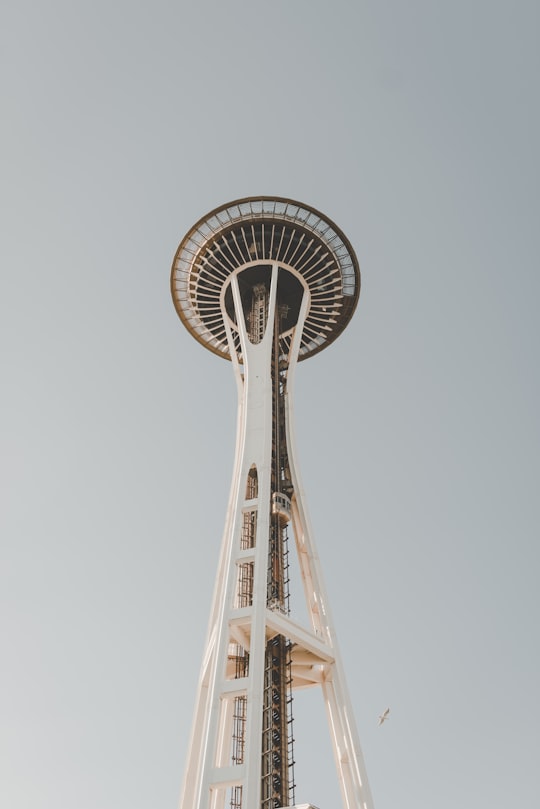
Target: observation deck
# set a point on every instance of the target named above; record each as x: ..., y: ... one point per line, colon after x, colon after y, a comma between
x: 250, y: 236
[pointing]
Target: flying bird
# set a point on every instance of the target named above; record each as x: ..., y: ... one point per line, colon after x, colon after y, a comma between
x: 384, y: 716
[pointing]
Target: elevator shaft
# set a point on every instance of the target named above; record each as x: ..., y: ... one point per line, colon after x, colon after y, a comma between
x: 277, y: 783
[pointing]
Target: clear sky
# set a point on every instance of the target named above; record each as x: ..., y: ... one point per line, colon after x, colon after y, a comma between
x: 414, y: 126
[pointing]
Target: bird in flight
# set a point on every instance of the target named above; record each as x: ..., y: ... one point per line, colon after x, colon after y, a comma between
x: 384, y: 716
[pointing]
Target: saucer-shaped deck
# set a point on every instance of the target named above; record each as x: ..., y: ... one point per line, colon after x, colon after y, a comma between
x: 251, y: 235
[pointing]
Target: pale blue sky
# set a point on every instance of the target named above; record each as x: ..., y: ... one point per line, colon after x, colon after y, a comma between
x: 414, y: 126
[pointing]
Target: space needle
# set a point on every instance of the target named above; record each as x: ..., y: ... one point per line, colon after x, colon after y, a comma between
x: 266, y: 282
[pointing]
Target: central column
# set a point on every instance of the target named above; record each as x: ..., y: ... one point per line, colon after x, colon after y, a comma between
x: 262, y: 717
x: 247, y: 739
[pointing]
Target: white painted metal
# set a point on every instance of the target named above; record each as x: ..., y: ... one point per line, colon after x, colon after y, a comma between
x: 315, y: 657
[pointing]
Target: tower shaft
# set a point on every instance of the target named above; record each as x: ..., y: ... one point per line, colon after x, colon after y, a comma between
x: 241, y: 753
